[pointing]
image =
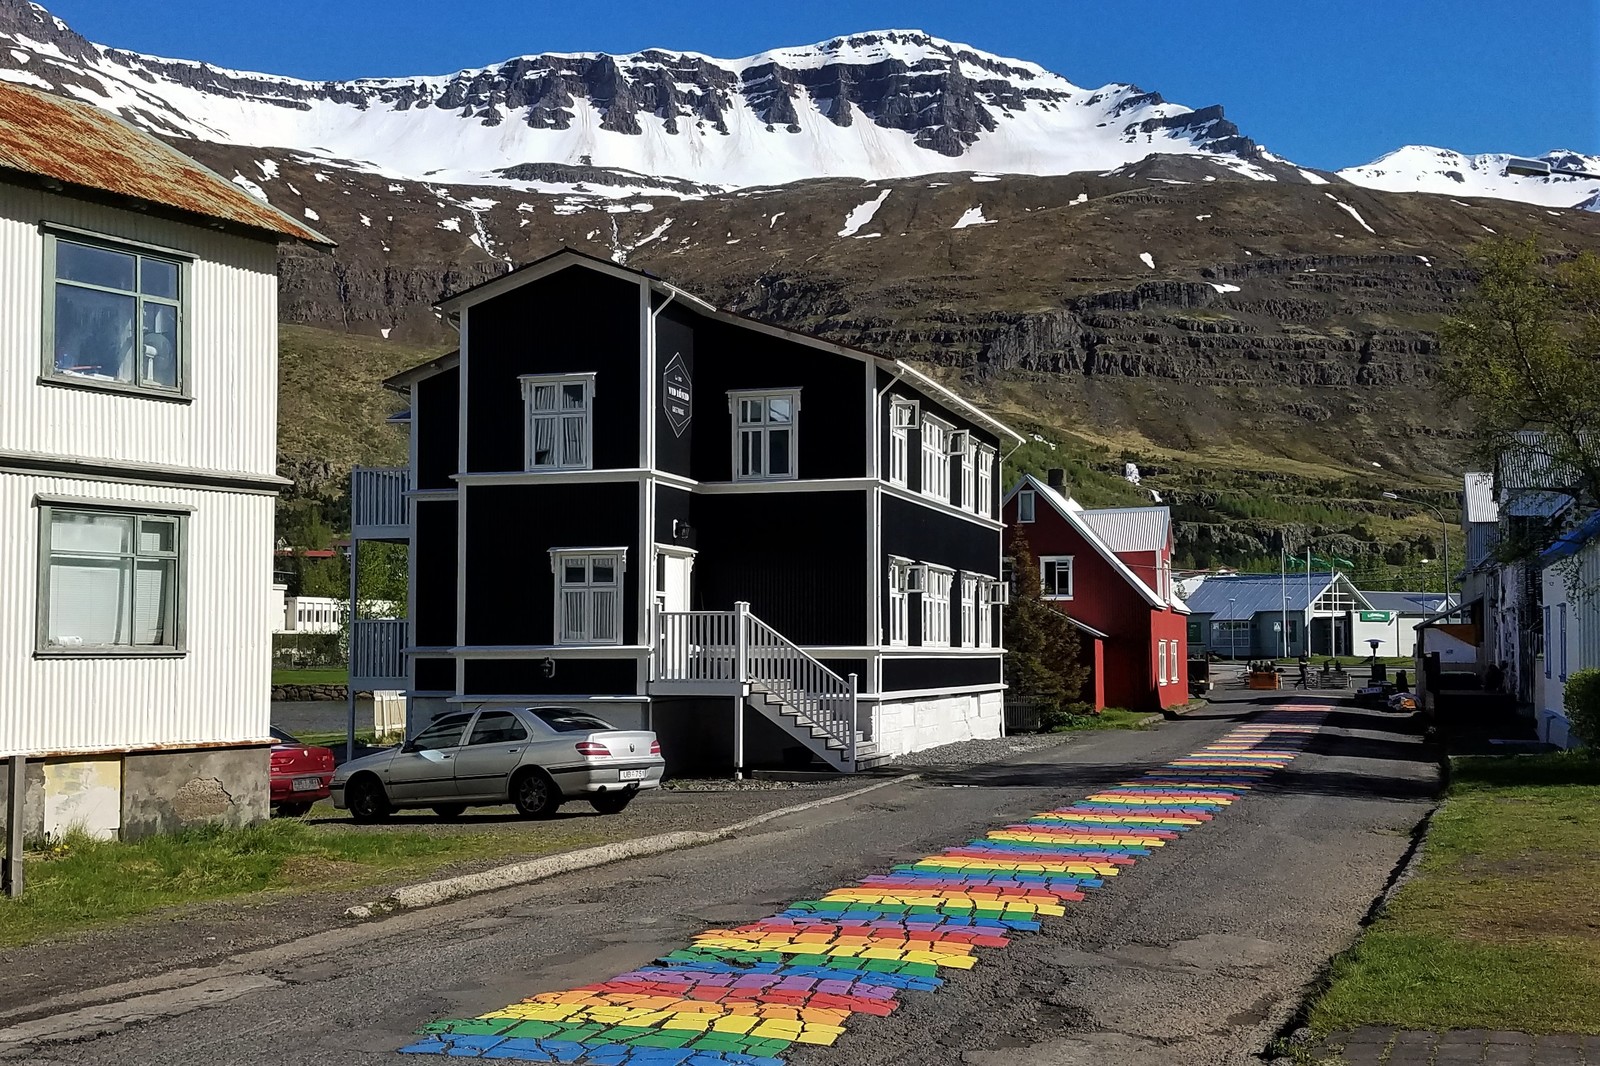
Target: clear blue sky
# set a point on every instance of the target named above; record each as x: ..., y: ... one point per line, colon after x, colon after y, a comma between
x: 1327, y: 83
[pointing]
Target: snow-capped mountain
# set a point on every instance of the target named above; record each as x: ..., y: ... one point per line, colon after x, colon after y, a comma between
x: 1419, y: 168
x: 882, y: 104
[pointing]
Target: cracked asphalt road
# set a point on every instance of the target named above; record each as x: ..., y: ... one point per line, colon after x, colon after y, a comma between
x: 1195, y: 955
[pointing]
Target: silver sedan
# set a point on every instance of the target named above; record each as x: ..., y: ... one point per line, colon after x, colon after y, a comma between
x: 533, y: 757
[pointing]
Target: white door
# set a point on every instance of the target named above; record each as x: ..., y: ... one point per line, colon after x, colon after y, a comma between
x: 673, y: 571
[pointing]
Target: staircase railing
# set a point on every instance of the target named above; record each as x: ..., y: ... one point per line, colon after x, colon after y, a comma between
x: 737, y: 646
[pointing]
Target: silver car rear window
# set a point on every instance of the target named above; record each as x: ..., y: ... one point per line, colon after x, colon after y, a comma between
x: 569, y: 721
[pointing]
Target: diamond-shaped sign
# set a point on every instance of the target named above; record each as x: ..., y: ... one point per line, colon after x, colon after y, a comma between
x: 677, y: 394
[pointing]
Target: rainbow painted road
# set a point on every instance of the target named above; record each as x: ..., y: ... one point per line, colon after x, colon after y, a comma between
x: 747, y: 995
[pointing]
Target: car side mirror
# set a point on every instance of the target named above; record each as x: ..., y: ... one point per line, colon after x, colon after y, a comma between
x: 408, y: 747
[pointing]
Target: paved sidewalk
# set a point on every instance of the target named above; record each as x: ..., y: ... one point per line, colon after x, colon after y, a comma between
x: 1377, y: 1046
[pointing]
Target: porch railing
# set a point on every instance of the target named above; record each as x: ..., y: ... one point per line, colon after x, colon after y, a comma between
x: 377, y: 650
x: 736, y: 646
x: 378, y: 497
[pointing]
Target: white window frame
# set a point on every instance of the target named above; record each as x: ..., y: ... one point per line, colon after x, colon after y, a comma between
x: 587, y: 593
x: 969, y: 474
x: 984, y: 498
x: 1027, y: 506
x: 897, y: 608
x: 762, y: 429
x: 936, y: 458
x: 903, y: 415
x: 141, y: 382
x: 531, y: 383
x: 1172, y: 662
x: 936, y: 607
x: 173, y: 624
x: 1050, y: 593
x: 1161, y: 668
x: 969, y: 610
x: 988, y: 599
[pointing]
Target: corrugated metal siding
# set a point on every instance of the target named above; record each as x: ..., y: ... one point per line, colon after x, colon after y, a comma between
x: 1481, y: 506
x: 1131, y: 529
x: 232, y: 365
x: 217, y: 693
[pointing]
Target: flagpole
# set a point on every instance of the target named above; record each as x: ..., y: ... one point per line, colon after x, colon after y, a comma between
x: 1283, y: 589
x: 1310, y: 651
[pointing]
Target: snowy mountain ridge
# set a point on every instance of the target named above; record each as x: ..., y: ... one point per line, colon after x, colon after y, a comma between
x: 876, y: 105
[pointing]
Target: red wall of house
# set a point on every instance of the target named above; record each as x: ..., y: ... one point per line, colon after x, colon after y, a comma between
x: 1102, y: 598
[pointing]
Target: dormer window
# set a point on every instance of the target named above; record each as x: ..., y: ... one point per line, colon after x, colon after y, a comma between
x: 559, y: 432
x: 114, y: 317
x: 765, y: 444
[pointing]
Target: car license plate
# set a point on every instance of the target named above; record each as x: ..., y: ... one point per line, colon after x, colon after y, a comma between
x: 307, y: 784
x: 632, y: 775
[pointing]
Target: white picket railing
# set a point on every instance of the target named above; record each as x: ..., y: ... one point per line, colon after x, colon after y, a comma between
x: 378, y: 496
x: 377, y: 649
x: 736, y: 646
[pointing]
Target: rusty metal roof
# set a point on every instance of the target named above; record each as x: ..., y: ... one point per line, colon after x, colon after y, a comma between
x: 54, y: 138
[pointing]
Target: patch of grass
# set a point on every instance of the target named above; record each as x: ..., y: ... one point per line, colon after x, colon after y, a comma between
x: 1110, y: 718
x: 82, y: 882
x: 323, y: 675
x: 1500, y: 927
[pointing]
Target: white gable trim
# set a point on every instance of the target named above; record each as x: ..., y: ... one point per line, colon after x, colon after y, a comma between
x: 1063, y: 508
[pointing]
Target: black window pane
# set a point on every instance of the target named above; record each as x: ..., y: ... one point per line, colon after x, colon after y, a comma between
x: 570, y: 721
x: 94, y: 266
x: 445, y: 733
x: 94, y: 333
x: 497, y: 727
x: 158, y: 277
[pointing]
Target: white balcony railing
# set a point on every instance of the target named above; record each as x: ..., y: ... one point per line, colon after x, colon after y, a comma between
x: 377, y: 652
x: 378, y: 501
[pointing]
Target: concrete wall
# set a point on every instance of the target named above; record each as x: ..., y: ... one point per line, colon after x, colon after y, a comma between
x: 913, y: 725
x: 141, y: 793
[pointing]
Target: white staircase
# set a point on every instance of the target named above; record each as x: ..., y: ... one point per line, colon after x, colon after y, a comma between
x: 705, y: 651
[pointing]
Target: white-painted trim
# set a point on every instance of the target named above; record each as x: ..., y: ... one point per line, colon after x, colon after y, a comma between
x: 764, y: 428
x: 588, y: 555
x: 551, y: 651
x: 832, y: 484
x: 896, y: 695
x: 532, y: 272
x: 1062, y: 507
x: 943, y: 508
x: 552, y: 477
x: 529, y: 382
x: 462, y: 422
x: 875, y: 618
x: 540, y: 698
x: 424, y: 495
x: 966, y: 406
x: 1072, y: 577
x: 899, y: 651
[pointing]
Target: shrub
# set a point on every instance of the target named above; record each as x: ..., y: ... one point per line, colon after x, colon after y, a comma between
x: 1582, y: 699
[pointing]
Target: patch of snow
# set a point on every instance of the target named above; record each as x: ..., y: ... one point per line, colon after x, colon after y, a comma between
x: 268, y: 168
x: 1082, y: 198
x: 366, y: 221
x: 1201, y: 218
x: 1555, y: 213
x: 396, y: 188
x: 1312, y: 176
x: 1425, y: 261
x: 734, y: 241
x: 861, y: 214
x: 20, y: 57
x: 866, y: 236
x: 591, y: 235
x: 292, y: 188
x: 1353, y: 213
x: 774, y: 220
x: 525, y: 208
x: 312, y: 215
x: 250, y: 187
x: 385, y: 332
x: 1147, y: 259
x: 479, y: 203
x: 568, y: 209
x: 1486, y: 228
x: 984, y: 177
x: 973, y: 217
x: 451, y: 224
x: 1224, y: 288
x: 937, y: 184
x: 321, y: 177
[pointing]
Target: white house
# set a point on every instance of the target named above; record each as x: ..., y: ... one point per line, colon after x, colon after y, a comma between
x: 138, y: 377
x: 1570, y: 576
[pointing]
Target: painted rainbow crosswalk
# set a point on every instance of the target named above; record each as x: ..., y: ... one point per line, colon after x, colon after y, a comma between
x: 745, y: 995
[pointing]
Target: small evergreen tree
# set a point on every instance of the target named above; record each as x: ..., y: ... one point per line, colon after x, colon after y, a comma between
x: 1043, y: 666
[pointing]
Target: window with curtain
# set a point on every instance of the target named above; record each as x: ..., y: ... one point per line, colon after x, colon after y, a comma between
x: 902, y: 416
x: 765, y: 447
x: 986, y: 602
x: 589, y: 596
x: 560, y: 429
x: 115, y: 316
x: 969, y: 610
x: 111, y: 581
x: 936, y: 458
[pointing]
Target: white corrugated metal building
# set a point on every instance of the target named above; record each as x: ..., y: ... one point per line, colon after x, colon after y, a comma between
x: 1570, y: 575
x: 138, y: 376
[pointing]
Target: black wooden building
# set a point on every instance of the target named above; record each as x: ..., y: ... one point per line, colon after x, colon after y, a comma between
x: 765, y: 546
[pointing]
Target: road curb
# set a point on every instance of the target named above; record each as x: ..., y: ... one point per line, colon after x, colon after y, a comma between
x: 431, y: 893
x: 1149, y: 719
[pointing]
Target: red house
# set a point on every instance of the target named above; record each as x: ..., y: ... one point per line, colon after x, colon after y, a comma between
x: 1110, y: 570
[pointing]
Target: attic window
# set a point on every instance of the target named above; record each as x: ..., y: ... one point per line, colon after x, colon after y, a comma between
x: 114, y: 316
x: 1025, y: 506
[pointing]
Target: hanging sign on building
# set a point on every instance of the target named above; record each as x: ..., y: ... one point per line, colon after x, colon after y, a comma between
x: 1377, y: 616
x: 677, y: 394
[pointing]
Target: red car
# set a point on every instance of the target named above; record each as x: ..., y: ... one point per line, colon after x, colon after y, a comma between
x: 300, y: 774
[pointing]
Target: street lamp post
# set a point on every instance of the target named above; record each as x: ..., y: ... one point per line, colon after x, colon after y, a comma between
x: 1233, y: 633
x: 1445, y: 578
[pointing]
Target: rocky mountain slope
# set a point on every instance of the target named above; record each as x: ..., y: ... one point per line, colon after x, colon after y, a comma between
x: 1257, y: 336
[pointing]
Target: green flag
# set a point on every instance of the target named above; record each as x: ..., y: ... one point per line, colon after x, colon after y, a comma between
x: 1346, y: 563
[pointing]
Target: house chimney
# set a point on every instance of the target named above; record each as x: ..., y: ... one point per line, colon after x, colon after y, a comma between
x: 1057, y: 478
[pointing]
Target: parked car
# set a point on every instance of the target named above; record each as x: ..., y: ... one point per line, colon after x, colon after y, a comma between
x: 534, y: 757
x: 300, y: 774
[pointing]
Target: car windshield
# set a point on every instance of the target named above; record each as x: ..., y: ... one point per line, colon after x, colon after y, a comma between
x: 281, y: 737
x: 563, y: 721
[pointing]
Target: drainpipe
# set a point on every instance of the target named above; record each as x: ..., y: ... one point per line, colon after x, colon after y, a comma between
x: 14, y: 827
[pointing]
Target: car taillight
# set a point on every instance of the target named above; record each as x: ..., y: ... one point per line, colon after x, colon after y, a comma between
x: 655, y: 747
x: 591, y: 748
